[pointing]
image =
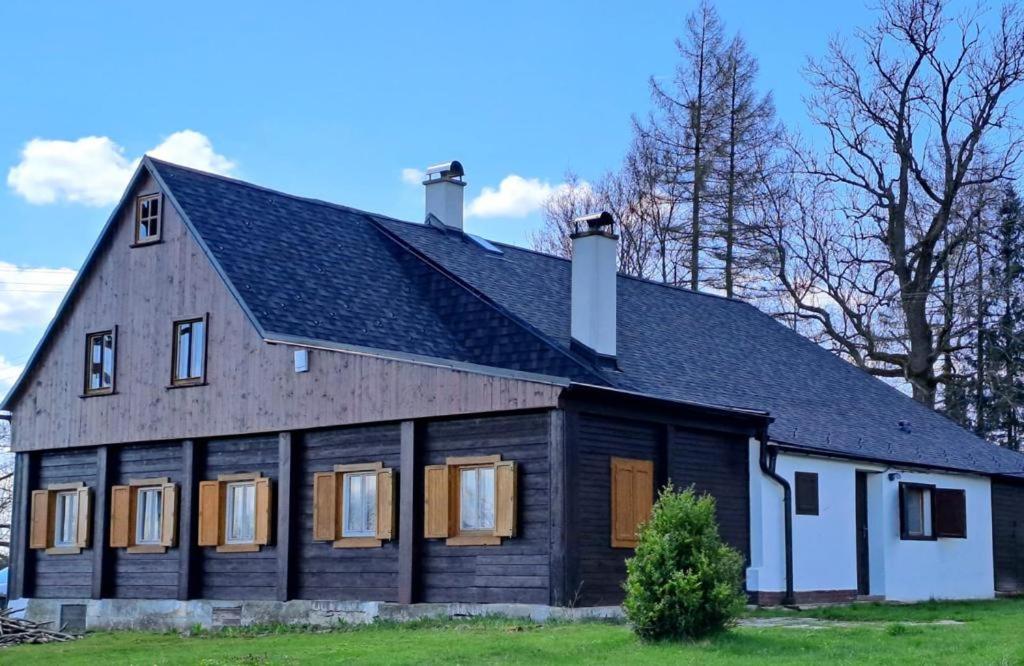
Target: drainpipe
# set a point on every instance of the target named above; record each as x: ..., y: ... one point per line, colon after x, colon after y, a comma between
x: 767, y: 461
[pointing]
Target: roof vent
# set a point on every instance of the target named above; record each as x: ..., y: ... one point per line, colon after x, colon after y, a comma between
x: 904, y: 426
x: 444, y: 187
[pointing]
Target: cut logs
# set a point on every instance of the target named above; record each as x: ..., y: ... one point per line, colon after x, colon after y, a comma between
x: 14, y: 631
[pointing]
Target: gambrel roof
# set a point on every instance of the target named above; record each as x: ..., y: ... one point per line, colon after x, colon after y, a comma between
x: 307, y: 270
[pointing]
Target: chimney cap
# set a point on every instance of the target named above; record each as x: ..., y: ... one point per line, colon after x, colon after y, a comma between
x: 595, y: 223
x: 445, y: 171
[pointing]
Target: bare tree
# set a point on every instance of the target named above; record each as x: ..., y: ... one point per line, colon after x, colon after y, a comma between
x: 916, y: 118
x: 572, y: 199
x: 6, y: 490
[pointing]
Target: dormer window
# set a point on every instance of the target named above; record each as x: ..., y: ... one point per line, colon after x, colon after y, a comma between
x: 147, y: 219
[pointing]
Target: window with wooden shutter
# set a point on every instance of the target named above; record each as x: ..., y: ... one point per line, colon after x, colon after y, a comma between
x: 470, y: 501
x: 806, y: 493
x: 235, y: 513
x: 144, y: 515
x: 632, y: 497
x: 61, y: 520
x: 354, y: 505
x: 950, y: 513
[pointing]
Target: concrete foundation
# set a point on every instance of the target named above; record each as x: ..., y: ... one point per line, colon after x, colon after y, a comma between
x: 163, y: 614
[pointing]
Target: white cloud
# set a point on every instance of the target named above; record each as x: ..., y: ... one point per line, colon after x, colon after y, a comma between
x: 94, y: 170
x: 515, y: 197
x: 30, y: 296
x: 9, y: 372
x: 412, y: 176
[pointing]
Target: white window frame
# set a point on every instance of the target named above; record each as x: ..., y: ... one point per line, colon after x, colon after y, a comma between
x: 369, y: 499
x: 142, y: 515
x: 61, y: 519
x: 477, y: 525
x: 229, y: 518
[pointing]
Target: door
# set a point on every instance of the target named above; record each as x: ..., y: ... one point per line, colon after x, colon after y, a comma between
x: 863, y: 572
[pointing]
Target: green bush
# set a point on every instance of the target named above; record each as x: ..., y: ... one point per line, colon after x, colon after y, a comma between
x: 683, y: 582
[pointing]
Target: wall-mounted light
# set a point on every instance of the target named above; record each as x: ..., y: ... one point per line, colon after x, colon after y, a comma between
x: 895, y: 476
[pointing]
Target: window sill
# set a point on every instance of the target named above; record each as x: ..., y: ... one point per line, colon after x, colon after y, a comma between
x: 97, y: 394
x: 473, y: 540
x: 149, y: 548
x: 238, y: 548
x: 358, y: 542
x: 149, y: 241
x: 908, y: 537
x: 181, y: 385
x: 63, y: 550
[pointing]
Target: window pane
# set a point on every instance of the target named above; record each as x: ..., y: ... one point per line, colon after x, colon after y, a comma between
x: 469, y: 499
x: 182, y: 352
x: 913, y: 510
x: 198, y: 348
x: 148, y: 512
x: 360, y: 498
x: 66, y: 519
x: 370, y: 503
x: 108, y: 360
x: 486, y: 498
x: 241, y: 513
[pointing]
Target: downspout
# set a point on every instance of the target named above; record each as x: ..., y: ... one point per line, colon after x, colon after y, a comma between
x: 767, y: 461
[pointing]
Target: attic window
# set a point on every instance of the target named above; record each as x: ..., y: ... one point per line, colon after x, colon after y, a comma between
x: 99, y: 363
x: 147, y: 219
x: 189, y: 352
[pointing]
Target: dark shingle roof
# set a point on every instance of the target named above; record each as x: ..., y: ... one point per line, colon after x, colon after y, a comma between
x: 317, y: 270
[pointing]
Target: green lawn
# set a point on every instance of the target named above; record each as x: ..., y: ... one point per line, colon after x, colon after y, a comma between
x: 992, y: 633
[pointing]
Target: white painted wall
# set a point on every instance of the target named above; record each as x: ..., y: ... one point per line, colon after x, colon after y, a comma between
x: 825, y: 547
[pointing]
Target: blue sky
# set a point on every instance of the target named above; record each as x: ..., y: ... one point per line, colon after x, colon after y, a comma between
x: 332, y: 100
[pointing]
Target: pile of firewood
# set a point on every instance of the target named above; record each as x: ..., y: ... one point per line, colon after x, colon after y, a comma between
x: 14, y: 631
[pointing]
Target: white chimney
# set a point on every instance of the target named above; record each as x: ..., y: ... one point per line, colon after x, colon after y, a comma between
x: 444, y: 194
x: 594, y: 251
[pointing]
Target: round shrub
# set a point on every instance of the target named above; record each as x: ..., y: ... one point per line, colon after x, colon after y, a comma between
x: 683, y: 582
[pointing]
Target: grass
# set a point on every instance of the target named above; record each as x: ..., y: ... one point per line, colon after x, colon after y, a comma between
x: 991, y: 634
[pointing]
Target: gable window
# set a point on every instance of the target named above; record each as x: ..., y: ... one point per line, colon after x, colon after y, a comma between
x: 353, y: 505
x: 143, y: 515
x: 99, y: 363
x: 916, y: 511
x: 234, y: 512
x: 60, y: 519
x: 470, y: 501
x: 632, y: 498
x: 806, y: 493
x: 189, y: 357
x: 147, y: 219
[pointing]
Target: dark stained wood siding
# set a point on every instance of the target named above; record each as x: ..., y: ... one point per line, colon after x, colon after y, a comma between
x: 64, y: 576
x: 518, y: 570
x: 602, y: 569
x: 145, y: 575
x: 325, y: 572
x: 717, y: 464
x: 1008, y: 535
x: 240, y: 576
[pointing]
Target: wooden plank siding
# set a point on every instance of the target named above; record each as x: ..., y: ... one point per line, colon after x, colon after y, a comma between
x: 325, y: 572
x: 145, y: 575
x: 252, y: 386
x: 64, y: 576
x: 240, y: 576
x: 1008, y: 535
x: 518, y: 570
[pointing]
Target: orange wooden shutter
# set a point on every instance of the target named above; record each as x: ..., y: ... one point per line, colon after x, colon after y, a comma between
x: 325, y: 503
x: 643, y: 493
x: 632, y: 496
x: 169, y: 515
x: 211, y: 519
x: 263, y: 512
x: 84, y: 527
x: 435, y: 493
x: 120, y: 516
x: 41, y: 532
x: 385, y: 504
x: 505, y: 499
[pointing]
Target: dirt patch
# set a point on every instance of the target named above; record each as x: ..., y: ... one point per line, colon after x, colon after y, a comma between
x: 816, y: 623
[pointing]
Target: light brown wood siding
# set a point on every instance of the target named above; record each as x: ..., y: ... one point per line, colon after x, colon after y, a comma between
x: 252, y: 386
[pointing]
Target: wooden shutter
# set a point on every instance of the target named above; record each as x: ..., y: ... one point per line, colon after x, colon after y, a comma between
x: 806, y: 493
x: 211, y: 516
x: 505, y: 499
x: 120, y: 516
x: 84, y: 526
x: 169, y: 515
x: 325, y: 503
x: 632, y: 496
x: 263, y: 512
x: 950, y: 506
x: 435, y: 492
x: 385, y: 504
x: 40, y: 531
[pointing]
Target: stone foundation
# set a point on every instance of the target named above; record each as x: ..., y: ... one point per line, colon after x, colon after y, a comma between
x: 163, y: 614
